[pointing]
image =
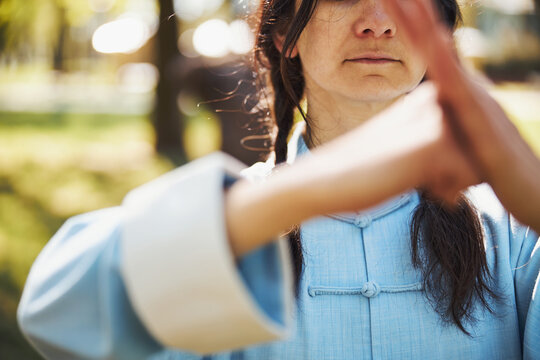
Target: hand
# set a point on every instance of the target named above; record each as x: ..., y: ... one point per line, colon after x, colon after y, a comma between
x: 480, y: 127
x: 406, y: 146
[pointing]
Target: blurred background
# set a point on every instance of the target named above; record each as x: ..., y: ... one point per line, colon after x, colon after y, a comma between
x: 99, y: 96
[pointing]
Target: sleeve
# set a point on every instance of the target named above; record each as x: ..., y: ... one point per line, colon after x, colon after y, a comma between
x: 157, y: 272
x: 526, y: 280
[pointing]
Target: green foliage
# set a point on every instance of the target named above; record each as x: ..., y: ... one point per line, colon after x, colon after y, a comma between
x: 53, y: 166
x: 16, y: 19
x: 32, y: 27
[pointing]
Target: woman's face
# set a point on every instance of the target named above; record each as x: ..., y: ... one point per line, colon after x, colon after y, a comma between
x: 351, y: 48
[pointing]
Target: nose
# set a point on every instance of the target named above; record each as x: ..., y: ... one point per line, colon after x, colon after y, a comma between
x: 373, y: 21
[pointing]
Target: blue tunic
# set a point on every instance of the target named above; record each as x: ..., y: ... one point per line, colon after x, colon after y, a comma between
x: 359, y: 298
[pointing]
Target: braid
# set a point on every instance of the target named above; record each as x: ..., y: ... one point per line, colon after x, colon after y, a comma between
x: 288, y: 90
x: 287, y: 80
x: 283, y: 115
x: 287, y: 94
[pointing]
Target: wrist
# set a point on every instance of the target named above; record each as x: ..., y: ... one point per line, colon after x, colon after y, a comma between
x: 257, y: 213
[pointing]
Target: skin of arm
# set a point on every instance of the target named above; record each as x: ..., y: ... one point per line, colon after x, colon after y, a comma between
x: 484, y: 132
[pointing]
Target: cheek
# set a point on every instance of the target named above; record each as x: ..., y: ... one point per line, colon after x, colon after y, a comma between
x: 317, y: 47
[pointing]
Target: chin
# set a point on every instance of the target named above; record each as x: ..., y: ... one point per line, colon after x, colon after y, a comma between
x: 378, y: 88
x: 376, y: 94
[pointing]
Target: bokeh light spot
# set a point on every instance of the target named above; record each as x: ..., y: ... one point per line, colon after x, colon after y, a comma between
x: 125, y: 35
x: 241, y: 38
x: 211, y: 38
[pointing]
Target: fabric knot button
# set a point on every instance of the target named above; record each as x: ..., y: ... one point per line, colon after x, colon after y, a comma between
x: 370, y: 289
x: 362, y: 221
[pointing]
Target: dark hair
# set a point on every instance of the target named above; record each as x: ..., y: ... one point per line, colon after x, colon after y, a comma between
x: 447, y: 244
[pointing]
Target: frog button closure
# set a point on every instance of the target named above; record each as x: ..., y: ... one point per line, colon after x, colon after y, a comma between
x: 370, y: 289
x: 362, y: 221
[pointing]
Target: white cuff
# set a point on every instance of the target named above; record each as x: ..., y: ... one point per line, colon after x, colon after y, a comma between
x: 178, y: 268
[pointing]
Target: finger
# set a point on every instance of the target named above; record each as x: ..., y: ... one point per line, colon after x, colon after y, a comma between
x: 420, y: 23
x: 464, y: 101
x: 428, y: 11
x: 434, y: 33
x: 435, y: 43
x: 461, y: 135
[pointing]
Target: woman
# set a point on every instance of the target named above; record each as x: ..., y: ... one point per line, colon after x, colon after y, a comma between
x: 407, y: 278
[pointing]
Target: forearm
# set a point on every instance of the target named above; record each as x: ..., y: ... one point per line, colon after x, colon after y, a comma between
x: 509, y: 164
x: 333, y: 179
x: 518, y: 184
x: 256, y: 213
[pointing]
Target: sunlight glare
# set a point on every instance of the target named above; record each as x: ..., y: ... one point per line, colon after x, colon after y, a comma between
x: 190, y: 10
x: 241, y: 38
x: 211, y: 38
x: 125, y: 35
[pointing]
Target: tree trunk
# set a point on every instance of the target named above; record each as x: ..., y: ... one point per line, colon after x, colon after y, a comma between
x: 59, y: 49
x: 167, y: 119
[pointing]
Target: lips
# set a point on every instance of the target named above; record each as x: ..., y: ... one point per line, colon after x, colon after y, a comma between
x: 373, y: 58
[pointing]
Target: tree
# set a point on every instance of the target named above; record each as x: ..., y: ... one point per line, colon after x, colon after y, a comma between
x: 33, y: 29
x: 167, y: 119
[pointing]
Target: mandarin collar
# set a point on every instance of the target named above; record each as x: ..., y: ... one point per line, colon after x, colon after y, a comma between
x: 298, y: 148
